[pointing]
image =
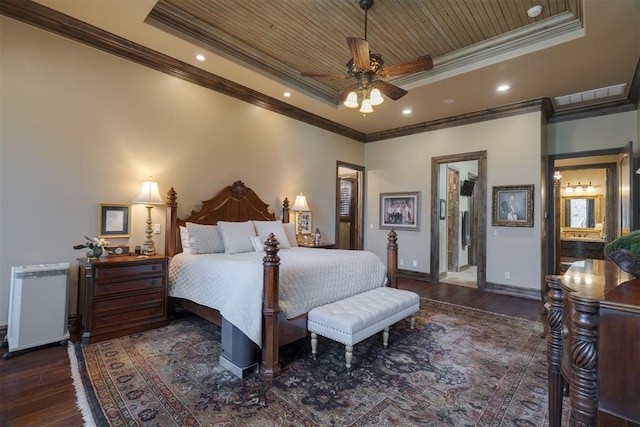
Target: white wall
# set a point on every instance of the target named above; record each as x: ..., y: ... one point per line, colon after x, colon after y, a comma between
x: 514, y: 153
x: 81, y: 127
x: 595, y: 133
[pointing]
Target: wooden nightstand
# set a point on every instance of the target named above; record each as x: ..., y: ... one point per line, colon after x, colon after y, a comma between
x: 121, y: 295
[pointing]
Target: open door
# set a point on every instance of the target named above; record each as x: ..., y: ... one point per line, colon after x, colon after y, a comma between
x: 349, y: 215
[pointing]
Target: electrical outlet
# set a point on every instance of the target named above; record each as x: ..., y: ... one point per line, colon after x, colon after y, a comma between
x: 507, y: 275
x: 370, y: 226
x: 401, y: 261
x: 156, y: 228
x: 415, y: 263
x: 496, y: 232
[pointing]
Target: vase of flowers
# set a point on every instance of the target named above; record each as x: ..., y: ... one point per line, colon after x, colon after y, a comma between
x: 625, y: 252
x: 96, y: 247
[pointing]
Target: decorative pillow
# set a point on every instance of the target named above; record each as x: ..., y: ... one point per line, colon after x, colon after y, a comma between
x: 258, y: 242
x: 204, y: 239
x: 290, y: 230
x: 236, y: 236
x: 184, y: 238
x: 264, y: 228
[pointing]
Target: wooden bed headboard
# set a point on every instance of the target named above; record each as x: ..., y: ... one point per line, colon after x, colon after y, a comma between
x: 235, y: 202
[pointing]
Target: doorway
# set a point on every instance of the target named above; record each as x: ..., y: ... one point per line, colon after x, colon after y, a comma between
x: 466, y: 196
x: 349, y: 214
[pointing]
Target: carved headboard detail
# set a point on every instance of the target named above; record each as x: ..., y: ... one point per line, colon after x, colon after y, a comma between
x: 235, y: 202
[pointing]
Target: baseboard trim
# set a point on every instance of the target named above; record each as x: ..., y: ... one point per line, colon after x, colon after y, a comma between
x: 464, y: 267
x: 414, y: 275
x: 515, y: 291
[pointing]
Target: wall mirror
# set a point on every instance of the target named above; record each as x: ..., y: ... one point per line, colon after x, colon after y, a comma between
x: 580, y: 212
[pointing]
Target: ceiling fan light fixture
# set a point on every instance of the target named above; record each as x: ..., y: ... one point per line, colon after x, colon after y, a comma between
x: 352, y: 100
x: 376, y: 97
x: 366, y: 106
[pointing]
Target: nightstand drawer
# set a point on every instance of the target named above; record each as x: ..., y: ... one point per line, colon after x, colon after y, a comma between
x: 148, y: 283
x: 108, y: 320
x: 128, y: 302
x: 133, y: 269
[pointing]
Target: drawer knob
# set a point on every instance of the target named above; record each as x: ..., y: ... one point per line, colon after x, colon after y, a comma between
x: 106, y: 304
x: 107, y: 287
x: 154, y: 281
x: 154, y: 267
x: 105, y: 320
x: 565, y: 332
x: 153, y: 296
x: 154, y: 311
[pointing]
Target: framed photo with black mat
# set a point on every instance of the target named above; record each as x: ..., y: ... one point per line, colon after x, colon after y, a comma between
x: 114, y: 220
x: 512, y: 206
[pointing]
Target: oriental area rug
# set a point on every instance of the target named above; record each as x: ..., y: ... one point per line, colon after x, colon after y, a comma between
x: 458, y: 367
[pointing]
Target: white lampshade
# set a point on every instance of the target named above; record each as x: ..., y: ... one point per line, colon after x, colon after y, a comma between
x: 366, y: 106
x: 376, y: 97
x: 352, y: 100
x: 149, y: 194
x: 300, y: 204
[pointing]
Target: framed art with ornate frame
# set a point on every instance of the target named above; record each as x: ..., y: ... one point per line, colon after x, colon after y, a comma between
x: 512, y: 206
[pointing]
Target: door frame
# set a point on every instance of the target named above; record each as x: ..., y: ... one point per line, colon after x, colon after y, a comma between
x: 481, y: 187
x: 360, y: 202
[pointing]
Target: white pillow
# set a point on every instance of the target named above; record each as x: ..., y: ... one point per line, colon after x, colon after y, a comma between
x: 258, y: 242
x: 264, y: 228
x: 205, y: 239
x: 184, y: 239
x: 290, y: 230
x: 236, y: 236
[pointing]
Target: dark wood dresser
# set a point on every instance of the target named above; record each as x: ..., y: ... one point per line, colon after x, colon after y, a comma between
x: 593, y: 344
x: 120, y: 295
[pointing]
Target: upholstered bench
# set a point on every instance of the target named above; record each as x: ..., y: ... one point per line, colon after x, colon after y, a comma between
x: 358, y: 317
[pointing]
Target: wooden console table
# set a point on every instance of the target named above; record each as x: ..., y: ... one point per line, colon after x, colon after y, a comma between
x: 593, y: 343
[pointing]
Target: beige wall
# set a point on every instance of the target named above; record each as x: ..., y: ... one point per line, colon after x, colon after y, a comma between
x: 513, y: 148
x: 81, y: 127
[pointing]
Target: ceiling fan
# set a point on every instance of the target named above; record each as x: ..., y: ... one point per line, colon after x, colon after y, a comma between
x: 367, y: 68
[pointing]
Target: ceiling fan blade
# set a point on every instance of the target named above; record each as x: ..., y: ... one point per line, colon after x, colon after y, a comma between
x: 345, y: 92
x: 324, y: 75
x: 421, y: 63
x: 359, y: 52
x: 389, y: 90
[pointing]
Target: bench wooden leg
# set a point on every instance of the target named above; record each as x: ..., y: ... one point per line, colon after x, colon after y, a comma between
x: 314, y: 344
x: 413, y: 321
x: 385, y: 337
x: 348, y: 355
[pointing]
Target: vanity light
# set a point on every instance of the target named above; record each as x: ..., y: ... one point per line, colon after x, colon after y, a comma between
x: 590, y: 188
x: 569, y: 189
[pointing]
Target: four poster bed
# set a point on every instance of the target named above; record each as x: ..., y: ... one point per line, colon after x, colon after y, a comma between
x: 265, y: 291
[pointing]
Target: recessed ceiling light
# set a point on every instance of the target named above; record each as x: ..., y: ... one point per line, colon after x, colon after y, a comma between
x: 200, y: 57
x: 503, y: 88
x: 407, y: 111
x: 534, y: 11
x: 449, y: 101
x: 287, y: 94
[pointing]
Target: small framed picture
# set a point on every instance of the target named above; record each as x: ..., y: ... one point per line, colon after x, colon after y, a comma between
x: 304, y: 222
x: 443, y: 209
x: 512, y: 206
x: 400, y: 211
x: 114, y: 220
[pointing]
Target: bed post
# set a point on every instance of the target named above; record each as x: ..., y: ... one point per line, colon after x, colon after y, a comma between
x: 171, y: 227
x: 392, y: 259
x: 285, y: 211
x: 270, y: 366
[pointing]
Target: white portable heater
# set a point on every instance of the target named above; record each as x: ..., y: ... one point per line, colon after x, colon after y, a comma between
x: 38, y: 306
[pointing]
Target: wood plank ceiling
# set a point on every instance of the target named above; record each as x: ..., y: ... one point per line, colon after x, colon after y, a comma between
x: 285, y: 37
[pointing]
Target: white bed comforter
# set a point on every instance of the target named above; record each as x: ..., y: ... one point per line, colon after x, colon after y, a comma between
x: 309, y: 278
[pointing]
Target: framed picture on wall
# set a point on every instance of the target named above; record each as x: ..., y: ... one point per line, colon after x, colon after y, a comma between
x: 114, y: 220
x: 400, y: 211
x: 512, y: 206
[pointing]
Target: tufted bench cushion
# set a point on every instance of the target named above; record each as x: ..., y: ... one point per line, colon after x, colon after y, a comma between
x: 358, y: 317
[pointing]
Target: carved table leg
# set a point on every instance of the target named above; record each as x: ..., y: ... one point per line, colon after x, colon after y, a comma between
x: 583, y: 392
x: 554, y: 350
